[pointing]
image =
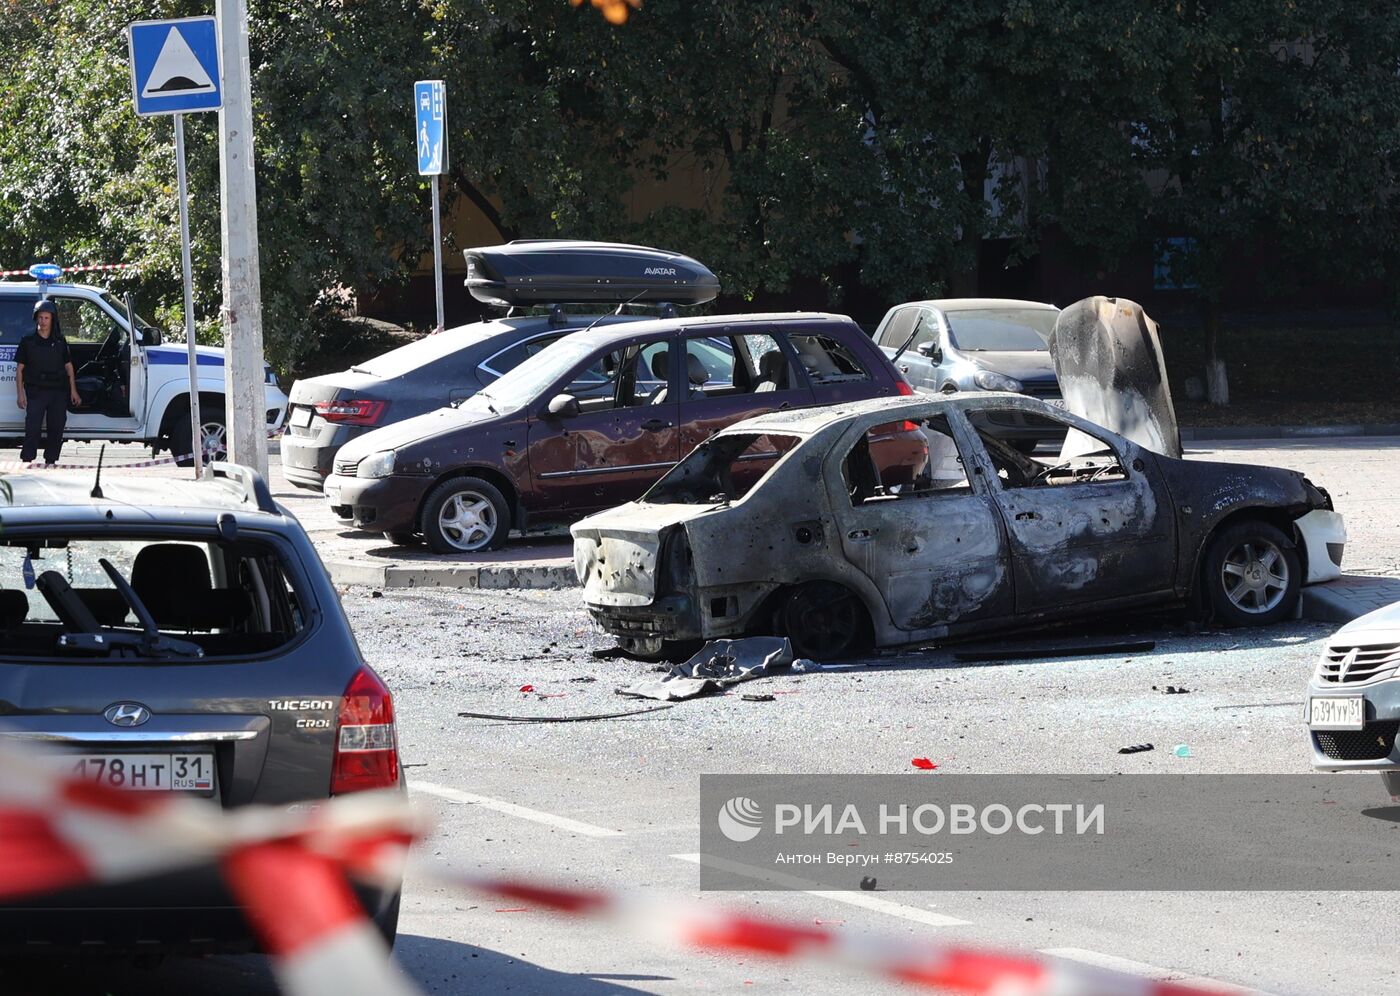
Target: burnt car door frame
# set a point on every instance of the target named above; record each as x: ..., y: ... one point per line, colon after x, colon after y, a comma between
x: 1094, y: 541
x: 590, y: 461
x: 937, y: 560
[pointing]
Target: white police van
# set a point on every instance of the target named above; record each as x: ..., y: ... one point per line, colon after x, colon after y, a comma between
x: 134, y: 388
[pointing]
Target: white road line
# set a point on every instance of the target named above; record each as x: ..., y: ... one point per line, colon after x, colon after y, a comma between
x: 511, y: 809
x: 867, y: 902
x: 1142, y: 968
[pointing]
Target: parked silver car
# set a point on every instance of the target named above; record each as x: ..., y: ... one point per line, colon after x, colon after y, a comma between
x: 975, y: 344
x: 1352, y: 709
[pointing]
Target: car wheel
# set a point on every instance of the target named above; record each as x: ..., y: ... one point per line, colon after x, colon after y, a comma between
x: 824, y: 621
x: 213, y: 430
x: 387, y: 922
x: 1252, y: 575
x: 403, y: 539
x: 465, y: 515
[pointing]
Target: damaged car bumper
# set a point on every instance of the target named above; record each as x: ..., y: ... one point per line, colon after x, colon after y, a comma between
x: 382, y: 505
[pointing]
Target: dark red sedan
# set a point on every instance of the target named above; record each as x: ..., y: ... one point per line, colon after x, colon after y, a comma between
x: 593, y: 420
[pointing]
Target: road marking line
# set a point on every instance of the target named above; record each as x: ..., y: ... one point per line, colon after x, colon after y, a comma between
x: 873, y: 903
x: 511, y: 809
x: 1142, y: 968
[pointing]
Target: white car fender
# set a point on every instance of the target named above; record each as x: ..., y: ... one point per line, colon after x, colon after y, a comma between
x: 173, y: 391
x: 1324, y: 536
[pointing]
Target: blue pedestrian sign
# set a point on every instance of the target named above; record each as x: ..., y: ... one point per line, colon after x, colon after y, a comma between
x: 430, y: 105
x: 175, y: 65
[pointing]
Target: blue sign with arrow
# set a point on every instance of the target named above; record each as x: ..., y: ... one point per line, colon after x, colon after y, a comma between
x: 430, y: 105
x: 175, y: 65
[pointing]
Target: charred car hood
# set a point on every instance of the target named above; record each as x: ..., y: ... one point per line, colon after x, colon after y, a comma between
x: 418, y: 429
x: 1108, y: 359
x: 616, y: 552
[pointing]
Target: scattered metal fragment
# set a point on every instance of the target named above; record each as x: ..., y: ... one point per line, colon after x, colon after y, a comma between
x: 1028, y: 653
x: 1135, y: 749
x: 1172, y: 690
x: 562, y: 719
x: 1257, y: 705
x: 584, y: 678
x: 757, y: 697
x: 868, y: 883
x: 717, y: 665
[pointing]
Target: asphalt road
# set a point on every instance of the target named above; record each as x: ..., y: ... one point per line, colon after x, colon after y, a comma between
x: 614, y: 804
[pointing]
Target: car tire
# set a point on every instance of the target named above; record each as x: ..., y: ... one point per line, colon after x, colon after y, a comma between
x: 387, y: 922
x: 211, y: 418
x: 1252, y: 575
x: 465, y: 515
x: 824, y: 621
x: 403, y: 539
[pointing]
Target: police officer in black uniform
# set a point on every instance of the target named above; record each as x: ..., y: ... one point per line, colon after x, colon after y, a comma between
x: 45, y: 383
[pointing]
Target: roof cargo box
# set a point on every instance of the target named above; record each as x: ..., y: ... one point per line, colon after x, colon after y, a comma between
x: 540, y: 271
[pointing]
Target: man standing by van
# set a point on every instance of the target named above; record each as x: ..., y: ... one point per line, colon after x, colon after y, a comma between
x: 45, y: 383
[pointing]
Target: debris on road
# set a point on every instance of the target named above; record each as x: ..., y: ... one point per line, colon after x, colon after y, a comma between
x: 527, y: 688
x: 868, y: 883
x: 584, y: 678
x: 924, y: 764
x: 758, y: 697
x: 1135, y: 749
x: 1172, y: 690
x: 561, y: 719
x: 717, y: 665
x: 1181, y: 750
x: 1044, y: 653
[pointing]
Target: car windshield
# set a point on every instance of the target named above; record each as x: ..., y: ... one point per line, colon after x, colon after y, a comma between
x: 175, y: 598
x: 526, y: 382
x: 119, y: 306
x: 1011, y: 330
x: 721, y: 470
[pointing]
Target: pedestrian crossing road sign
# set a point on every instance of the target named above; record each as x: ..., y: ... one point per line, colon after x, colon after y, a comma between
x: 175, y: 65
x: 430, y: 106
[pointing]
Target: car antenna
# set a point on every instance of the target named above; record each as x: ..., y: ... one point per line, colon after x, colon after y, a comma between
x: 617, y: 312
x: 900, y: 351
x: 97, y: 480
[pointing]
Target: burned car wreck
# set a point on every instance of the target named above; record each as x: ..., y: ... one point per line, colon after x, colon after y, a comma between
x: 782, y: 525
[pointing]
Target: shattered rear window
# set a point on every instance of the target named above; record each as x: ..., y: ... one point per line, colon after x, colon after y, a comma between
x: 722, y: 470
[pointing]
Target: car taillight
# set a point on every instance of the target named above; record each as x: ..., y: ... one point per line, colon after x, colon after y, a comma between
x: 910, y: 426
x: 903, y: 387
x: 366, y: 749
x: 353, y: 412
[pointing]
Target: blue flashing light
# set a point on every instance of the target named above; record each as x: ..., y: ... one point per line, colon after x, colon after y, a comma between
x: 46, y: 273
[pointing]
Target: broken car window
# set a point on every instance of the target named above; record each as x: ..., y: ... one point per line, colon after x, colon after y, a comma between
x: 827, y: 361
x: 903, y: 460
x: 736, y: 365
x: 1096, y: 461
x: 724, y: 469
x: 227, y: 598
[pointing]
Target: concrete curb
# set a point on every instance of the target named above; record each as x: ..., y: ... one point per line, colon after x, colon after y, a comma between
x: 1203, y: 433
x: 1349, y: 597
x: 491, y: 576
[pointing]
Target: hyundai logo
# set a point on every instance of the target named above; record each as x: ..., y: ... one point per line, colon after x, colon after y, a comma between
x: 127, y: 714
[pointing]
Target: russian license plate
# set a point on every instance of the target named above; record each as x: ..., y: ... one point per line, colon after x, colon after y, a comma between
x: 146, y: 772
x: 1055, y: 402
x: 1337, y: 713
x: 301, y: 417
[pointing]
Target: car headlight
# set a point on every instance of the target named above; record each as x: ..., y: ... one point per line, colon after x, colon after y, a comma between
x: 990, y: 380
x: 379, y: 464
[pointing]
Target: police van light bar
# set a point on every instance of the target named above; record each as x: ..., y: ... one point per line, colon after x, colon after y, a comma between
x: 46, y: 273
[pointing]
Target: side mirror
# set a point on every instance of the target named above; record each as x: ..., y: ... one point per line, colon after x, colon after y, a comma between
x: 150, y: 336
x: 929, y: 349
x: 563, y: 406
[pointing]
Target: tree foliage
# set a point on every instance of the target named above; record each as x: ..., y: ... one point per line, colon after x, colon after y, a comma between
x: 784, y: 143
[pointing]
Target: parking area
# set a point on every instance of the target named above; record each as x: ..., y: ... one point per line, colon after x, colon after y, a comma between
x: 613, y: 803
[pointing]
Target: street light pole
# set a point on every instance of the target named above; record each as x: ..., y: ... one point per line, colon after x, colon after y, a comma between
x: 245, y: 416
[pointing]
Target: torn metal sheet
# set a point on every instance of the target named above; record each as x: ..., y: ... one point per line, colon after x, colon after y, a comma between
x: 1108, y: 358
x: 718, y: 665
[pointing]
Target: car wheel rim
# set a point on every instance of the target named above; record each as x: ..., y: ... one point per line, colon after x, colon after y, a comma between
x: 1255, y: 576
x: 824, y: 619
x: 213, y: 439
x: 467, y: 521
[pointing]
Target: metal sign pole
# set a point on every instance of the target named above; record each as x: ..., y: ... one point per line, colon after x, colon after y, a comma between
x: 196, y: 435
x: 437, y: 253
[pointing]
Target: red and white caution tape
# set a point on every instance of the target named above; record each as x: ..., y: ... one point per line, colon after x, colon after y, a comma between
x: 40, y: 465
x: 288, y: 869
x: 92, y: 268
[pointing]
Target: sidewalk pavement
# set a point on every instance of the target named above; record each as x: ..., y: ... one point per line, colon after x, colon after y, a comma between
x: 1350, y: 596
